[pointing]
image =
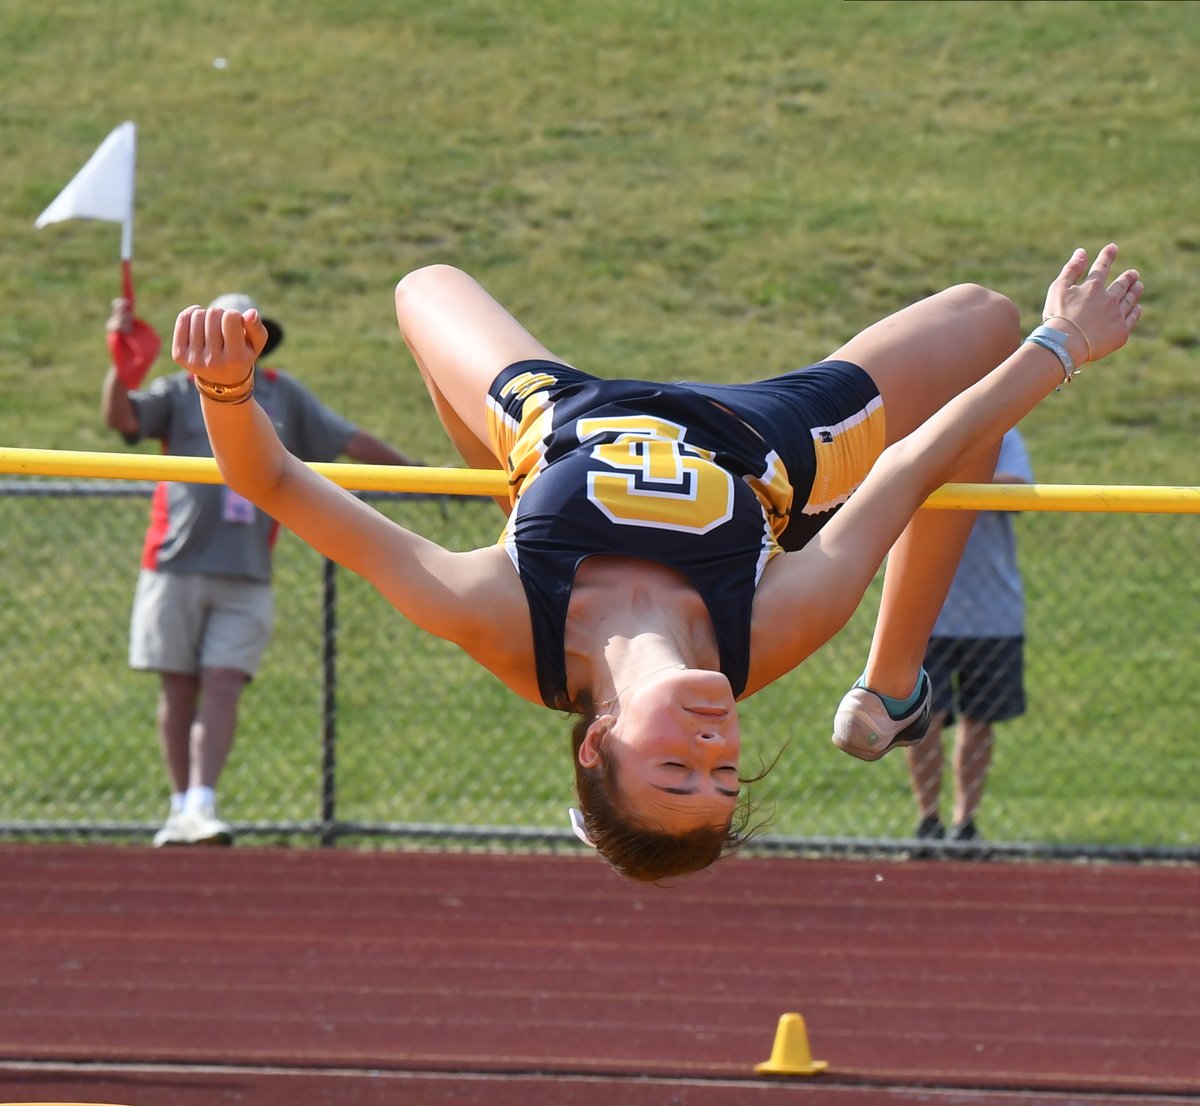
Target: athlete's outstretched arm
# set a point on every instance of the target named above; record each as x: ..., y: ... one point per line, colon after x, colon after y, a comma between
x: 458, y: 596
x: 807, y: 596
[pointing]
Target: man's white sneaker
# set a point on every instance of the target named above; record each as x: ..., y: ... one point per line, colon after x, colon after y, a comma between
x: 203, y: 827
x: 863, y: 727
x: 172, y: 832
x: 197, y: 825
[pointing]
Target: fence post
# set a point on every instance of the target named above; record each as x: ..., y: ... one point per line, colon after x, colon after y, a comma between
x: 329, y: 706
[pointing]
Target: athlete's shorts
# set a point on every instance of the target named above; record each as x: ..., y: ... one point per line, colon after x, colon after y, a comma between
x: 183, y: 622
x: 979, y: 677
x: 826, y: 422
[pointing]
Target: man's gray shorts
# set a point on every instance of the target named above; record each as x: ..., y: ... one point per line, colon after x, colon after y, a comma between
x: 183, y: 622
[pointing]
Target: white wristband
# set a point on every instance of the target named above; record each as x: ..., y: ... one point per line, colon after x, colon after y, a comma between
x: 1056, y: 342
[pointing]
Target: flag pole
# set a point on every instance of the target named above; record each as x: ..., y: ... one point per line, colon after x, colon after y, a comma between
x: 127, y: 282
x: 127, y: 227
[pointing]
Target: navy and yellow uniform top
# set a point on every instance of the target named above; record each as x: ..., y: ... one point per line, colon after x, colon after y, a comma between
x: 684, y: 475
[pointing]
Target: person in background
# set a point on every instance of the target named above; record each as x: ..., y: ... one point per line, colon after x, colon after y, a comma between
x: 975, y: 662
x: 203, y: 608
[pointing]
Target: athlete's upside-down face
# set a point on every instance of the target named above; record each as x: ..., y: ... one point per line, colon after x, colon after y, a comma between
x: 675, y: 740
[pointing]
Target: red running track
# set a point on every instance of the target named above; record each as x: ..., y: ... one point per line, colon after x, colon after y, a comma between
x: 189, y: 977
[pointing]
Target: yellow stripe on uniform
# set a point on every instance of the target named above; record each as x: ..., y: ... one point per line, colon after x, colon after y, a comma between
x: 845, y: 453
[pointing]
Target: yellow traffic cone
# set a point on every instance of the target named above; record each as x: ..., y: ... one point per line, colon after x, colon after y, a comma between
x: 790, y: 1054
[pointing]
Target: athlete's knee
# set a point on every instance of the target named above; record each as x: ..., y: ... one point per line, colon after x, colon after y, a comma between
x: 428, y: 276
x: 994, y: 309
x: 423, y: 285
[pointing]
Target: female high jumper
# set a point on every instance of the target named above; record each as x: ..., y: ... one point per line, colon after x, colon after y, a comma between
x: 672, y: 549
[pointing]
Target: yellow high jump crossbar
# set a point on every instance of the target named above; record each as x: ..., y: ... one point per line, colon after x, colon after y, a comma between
x: 1106, y: 498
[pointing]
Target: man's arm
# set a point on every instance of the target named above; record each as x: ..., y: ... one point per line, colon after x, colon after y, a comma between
x: 1012, y: 466
x: 115, y: 407
x: 370, y: 450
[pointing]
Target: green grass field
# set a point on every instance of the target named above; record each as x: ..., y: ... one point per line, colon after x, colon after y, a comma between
x: 709, y: 190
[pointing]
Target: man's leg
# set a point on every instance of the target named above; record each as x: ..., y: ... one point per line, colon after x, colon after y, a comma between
x: 237, y: 629
x: 176, y: 712
x: 209, y: 742
x: 177, y: 699
x: 925, y: 764
x: 992, y: 689
x: 972, y: 759
x: 215, y: 724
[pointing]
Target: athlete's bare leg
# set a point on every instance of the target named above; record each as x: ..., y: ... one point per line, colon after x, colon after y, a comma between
x: 920, y: 358
x: 461, y: 338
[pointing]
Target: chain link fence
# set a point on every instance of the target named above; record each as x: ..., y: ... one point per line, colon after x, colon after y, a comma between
x: 360, y: 728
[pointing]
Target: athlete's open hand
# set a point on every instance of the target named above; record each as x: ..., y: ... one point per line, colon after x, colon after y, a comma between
x: 217, y: 345
x: 1098, y: 316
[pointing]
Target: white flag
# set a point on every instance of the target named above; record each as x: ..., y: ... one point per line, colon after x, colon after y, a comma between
x: 103, y: 188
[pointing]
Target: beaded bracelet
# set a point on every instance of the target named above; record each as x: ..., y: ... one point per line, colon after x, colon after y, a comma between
x: 227, y: 393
